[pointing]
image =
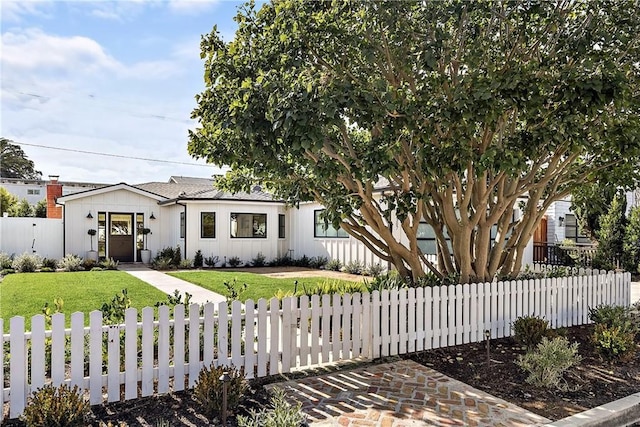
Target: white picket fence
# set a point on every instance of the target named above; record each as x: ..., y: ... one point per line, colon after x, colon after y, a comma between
x: 162, y: 351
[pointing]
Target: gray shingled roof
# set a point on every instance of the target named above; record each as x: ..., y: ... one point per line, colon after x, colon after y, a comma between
x: 199, y: 189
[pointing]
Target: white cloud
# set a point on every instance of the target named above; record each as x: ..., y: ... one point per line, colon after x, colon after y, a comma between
x: 192, y: 7
x: 34, y: 50
x: 15, y: 11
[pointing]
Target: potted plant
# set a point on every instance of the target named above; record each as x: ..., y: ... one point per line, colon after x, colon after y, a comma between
x: 145, y: 254
x: 91, y: 254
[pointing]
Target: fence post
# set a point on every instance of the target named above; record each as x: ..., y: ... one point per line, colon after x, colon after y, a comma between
x: 17, y: 367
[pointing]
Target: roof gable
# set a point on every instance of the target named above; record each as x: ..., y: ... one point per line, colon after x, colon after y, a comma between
x: 110, y: 188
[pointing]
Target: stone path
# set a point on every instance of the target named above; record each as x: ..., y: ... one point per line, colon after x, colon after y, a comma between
x: 400, y: 394
x: 168, y: 284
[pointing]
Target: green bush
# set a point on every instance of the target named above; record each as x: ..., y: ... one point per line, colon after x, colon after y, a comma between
x: 56, y: 407
x: 212, y: 260
x: 354, y: 267
x: 389, y: 281
x: 6, y: 271
x: 71, y: 263
x: 614, y: 342
x: 109, y: 264
x: 88, y: 264
x: 198, y: 259
x: 163, y: 263
x: 334, y: 265
x: 49, y: 263
x: 209, y: 388
x: 185, y: 263
x: 330, y: 287
x: 374, y: 270
x: 529, y: 330
x: 234, y: 261
x: 259, y: 260
x: 5, y: 261
x: 547, y: 364
x: 177, y: 256
x: 318, y: 262
x: 26, y: 263
x: 281, y: 414
x: 113, y: 311
x: 613, y: 316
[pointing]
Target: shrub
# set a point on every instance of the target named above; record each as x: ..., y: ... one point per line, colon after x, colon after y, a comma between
x: 6, y: 271
x: 113, y: 312
x: 71, y: 263
x: 26, y: 263
x: 612, y: 316
x: 163, y: 263
x: 390, y: 281
x: 56, y: 406
x: 209, y: 388
x: 318, y: 262
x: 374, y: 270
x: 281, y: 414
x: 614, y: 342
x: 175, y: 299
x: 46, y: 270
x: 334, y: 265
x: 304, y: 261
x: 177, y: 256
x: 430, y: 280
x: 167, y: 252
x: 212, y: 260
x: 529, y: 330
x: 185, y: 263
x: 547, y: 364
x: 5, y: 261
x: 234, y: 261
x: 259, y: 260
x: 198, y: 259
x: 330, y: 287
x: 49, y: 263
x: 281, y: 261
x: 88, y: 264
x: 354, y: 267
x: 109, y: 264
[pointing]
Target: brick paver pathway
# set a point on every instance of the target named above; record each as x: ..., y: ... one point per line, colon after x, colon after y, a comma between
x: 401, y: 394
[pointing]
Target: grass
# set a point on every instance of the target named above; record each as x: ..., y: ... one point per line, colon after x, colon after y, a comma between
x: 258, y: 285
x: 24, y: 294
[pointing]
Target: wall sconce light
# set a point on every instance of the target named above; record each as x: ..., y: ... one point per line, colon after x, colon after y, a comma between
x: 89, y: 216
x: 561, y: 221
x: 152, y: 216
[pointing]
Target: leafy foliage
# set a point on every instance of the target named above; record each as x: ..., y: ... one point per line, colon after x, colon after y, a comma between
x: 631, y: 241
x: 208, y: 390
x: 609, y: 254
x: 26, y: 263
x: 456, y: 109
x: 615, y: 331
x: 7, y: 201
x: 234, y: 261
x: 52, y: 406
x: 113, y: 311
x: 71, y: 263
x: 5, y: 260
x: 354, y: 267
x: 198, y: 259
x: 549, y: 361
x: 529, y: 330
x: 259, y: 260
x: 334, y: 265
x: 281, y: 414
x: 14, y: 163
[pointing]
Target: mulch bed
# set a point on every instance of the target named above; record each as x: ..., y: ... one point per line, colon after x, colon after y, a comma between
x: 594, y: 382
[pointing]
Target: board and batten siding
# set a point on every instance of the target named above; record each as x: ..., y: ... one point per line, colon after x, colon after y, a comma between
x: 223, y: 245
x: 42, y: 236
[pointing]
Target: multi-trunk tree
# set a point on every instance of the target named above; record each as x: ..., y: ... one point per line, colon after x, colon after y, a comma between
x: 461, y: 112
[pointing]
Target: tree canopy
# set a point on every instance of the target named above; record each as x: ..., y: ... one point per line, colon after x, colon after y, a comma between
x: 14, y: 162
x: 402, y: 115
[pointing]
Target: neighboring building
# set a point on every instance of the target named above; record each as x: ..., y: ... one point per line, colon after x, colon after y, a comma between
x: 35, y: 190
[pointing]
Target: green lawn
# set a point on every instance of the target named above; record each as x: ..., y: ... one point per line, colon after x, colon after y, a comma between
x: 258, y: 285
x: 24, y: 294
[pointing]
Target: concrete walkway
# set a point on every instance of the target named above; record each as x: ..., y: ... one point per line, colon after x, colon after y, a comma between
x: 168, y: 284
x: 400, y: 394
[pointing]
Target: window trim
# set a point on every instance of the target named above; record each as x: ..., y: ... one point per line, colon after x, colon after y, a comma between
x: 282, y: 226
x: 253, y: 215
x: 340, y: 232
x: 202, y: 234
x: 183, y: 224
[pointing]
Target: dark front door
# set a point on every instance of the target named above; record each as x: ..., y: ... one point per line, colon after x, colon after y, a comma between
x: 121, y: 243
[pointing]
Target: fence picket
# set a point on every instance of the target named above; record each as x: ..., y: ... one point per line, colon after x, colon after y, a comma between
x: 147, y: 352
x: 276, y: 339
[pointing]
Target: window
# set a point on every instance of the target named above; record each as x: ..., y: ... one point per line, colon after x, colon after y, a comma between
x: 572, y: 230
x: 249, y: 225
x: 281, y: 226
x: 427, y: 239
x: 33, y: 192
x: 102, y: 234
x: 208, y: 225
x: 182, y: 225
x: 322, y: 228
x: 139, y: 227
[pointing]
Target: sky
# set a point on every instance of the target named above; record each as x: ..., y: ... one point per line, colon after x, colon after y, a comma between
x: 113, y: 77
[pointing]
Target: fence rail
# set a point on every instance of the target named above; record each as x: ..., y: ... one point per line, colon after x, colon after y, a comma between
x: 157, y: 351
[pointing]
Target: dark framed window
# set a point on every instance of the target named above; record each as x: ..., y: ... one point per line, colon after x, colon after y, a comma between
x: 182, y: 225
x: 248, y: 225
x: 139, y: 235
x: 208, y: 225
x: 102, y: 234
x: 427, y: 239
x: 572, y: 230
x: 281, y: 226
x: 322, y: 228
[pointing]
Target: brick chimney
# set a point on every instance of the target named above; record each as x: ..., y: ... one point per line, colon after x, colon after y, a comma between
x: 54, y: 190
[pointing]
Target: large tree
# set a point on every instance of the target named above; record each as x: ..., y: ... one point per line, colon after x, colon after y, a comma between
x: 14, y: 162
x: 462, y: 111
